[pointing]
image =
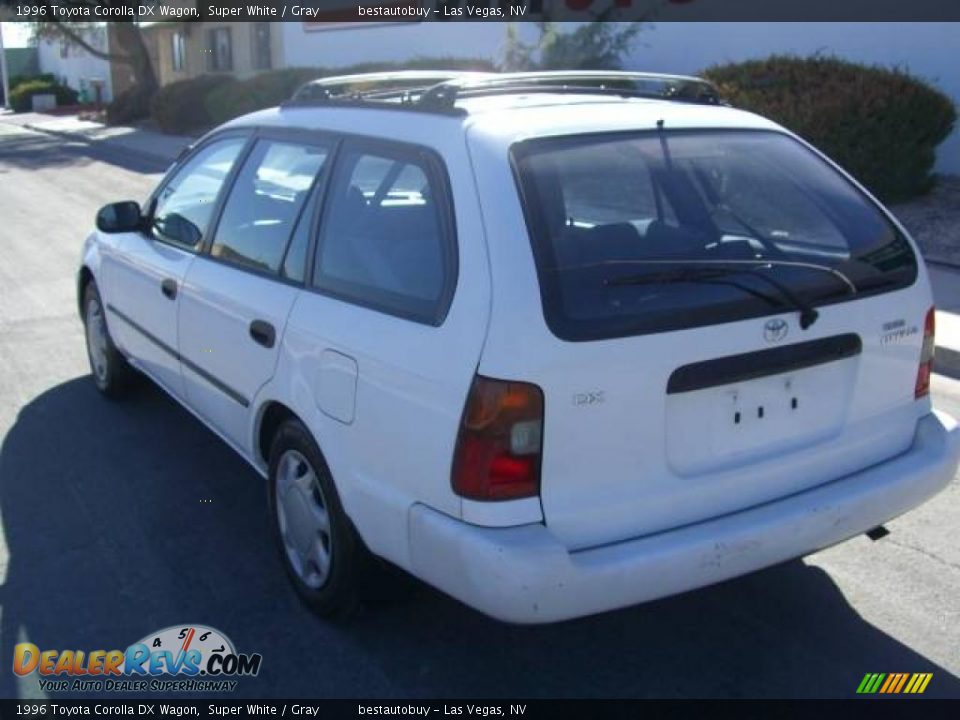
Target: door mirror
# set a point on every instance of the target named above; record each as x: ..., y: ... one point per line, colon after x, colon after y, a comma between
x: 120, y: 217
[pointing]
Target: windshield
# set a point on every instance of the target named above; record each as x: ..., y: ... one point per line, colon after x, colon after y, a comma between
x: 608, y: 214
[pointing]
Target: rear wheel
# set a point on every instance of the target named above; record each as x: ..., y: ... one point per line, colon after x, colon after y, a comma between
x: 110, y: 370
x: 321, y: 552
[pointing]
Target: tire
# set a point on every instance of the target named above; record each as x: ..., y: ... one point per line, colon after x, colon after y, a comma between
x: 111, y: 372
x: 324, y: 559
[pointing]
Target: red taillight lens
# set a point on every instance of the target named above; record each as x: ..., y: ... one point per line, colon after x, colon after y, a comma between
x: 499, y: 447
x: 922, y: 387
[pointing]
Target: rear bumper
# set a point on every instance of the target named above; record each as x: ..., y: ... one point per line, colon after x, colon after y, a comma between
x: 524, y: 575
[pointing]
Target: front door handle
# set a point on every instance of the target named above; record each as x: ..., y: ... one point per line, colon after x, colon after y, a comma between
x: 169, y: 288
x: 263, y: 333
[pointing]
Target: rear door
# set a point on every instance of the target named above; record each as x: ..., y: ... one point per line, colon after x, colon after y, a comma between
x: 239, y: 292
x: 679, y: 382
x: 145, y: 273
x: 386, y: 340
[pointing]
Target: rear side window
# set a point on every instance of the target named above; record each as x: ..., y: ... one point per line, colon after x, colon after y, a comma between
x: 265, y: 202
x: 649, y: 232
x: 386, y: 238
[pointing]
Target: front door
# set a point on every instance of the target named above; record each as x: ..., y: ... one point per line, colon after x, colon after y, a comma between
x: 144, y: 277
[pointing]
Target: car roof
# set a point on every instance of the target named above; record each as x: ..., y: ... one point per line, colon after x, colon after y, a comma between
x: 506, y: 119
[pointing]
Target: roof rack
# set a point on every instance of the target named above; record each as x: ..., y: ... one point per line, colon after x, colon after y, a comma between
x: 403, y: 87
x: 439, y: 91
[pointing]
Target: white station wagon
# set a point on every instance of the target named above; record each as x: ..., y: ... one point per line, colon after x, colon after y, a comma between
x: 553, y: 343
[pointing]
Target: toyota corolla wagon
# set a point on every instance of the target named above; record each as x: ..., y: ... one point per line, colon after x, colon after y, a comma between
x: 553, y: 343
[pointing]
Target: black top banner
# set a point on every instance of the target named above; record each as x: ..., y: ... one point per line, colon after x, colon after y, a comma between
x: 476, y: 709
x: 341, y: 11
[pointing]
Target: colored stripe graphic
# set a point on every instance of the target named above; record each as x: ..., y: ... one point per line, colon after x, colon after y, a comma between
x: 894, y: 683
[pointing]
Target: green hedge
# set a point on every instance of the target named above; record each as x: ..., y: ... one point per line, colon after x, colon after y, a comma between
x: 18, y: 80
x: 271, y: 88
x: 881, y: 125
x: 21, y: 95
x: 181, y: 106
x: 267, y: 89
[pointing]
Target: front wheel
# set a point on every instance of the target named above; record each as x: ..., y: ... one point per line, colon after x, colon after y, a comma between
x: 110, y: 370
x: 321, y: 552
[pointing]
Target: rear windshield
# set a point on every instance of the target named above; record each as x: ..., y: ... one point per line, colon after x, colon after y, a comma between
x: 655, y: 231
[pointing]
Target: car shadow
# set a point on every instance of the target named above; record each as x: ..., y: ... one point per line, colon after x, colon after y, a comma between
x: 125, y: 518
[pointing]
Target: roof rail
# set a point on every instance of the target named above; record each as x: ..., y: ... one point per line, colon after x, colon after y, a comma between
x: 438, y: 91
x: 383, y: 85
x: 680, y: 88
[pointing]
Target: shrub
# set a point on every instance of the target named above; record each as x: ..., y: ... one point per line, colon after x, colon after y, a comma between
x: 882, y: 125
x: 130, y: 105
x: 21, y: 96
x: 18, y: 80
x: 181, y: 106
x: 269, y: 89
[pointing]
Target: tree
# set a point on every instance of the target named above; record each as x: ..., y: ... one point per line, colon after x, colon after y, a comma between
x: 131, y: 50
x: 593, y: 45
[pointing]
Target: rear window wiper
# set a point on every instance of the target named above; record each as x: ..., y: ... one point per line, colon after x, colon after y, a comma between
x: 710, y: 273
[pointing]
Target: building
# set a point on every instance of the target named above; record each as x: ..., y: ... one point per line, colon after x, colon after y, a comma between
x: 184, y: 50
x: 74, y: 66
x: 22, y: 61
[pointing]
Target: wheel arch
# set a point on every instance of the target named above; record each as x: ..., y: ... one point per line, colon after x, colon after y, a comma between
x: 271, y: 416
x: 84, y: 278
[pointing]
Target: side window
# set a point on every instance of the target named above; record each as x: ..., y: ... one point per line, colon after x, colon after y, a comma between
x: 184, y: 207
x: 385, y: 239
x: 265, y: 202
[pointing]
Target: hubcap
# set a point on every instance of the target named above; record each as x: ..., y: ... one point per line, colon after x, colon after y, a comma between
x: 303, y: 519
x: 97, y: 340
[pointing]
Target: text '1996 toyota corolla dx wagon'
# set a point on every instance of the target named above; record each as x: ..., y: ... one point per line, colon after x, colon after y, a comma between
x: 553, y: 343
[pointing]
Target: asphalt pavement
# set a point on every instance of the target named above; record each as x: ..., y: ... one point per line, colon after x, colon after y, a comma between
x: 118, y: 519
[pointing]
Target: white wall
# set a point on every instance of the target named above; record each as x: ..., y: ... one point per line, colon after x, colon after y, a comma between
x: 368, y: 42
x: 79, y: 67
x: 929, y: 50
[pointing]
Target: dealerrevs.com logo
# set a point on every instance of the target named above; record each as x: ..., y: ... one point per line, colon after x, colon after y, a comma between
x: 188, y: 658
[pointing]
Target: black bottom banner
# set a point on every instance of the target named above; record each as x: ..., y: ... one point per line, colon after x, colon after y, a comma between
x: 463, y: 709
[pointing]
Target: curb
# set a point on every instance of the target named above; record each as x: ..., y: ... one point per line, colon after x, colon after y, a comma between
x: 941, y: 263
x: 946, y: 361
x: 946, y: 354
x: 80, y: 137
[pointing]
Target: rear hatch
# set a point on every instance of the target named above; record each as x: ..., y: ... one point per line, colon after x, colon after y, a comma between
x: 729, y: 320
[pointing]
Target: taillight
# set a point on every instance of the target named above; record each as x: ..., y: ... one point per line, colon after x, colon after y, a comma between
x: 499, y: 446
x: 922, y: 387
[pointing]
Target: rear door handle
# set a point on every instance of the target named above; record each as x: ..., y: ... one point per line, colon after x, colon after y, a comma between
x: 169, y: 288
x: 263, y: 333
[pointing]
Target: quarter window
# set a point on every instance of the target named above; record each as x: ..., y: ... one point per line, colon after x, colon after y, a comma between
x: 384, y: 240
x: 185, y: 204
x: 265, y: 202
